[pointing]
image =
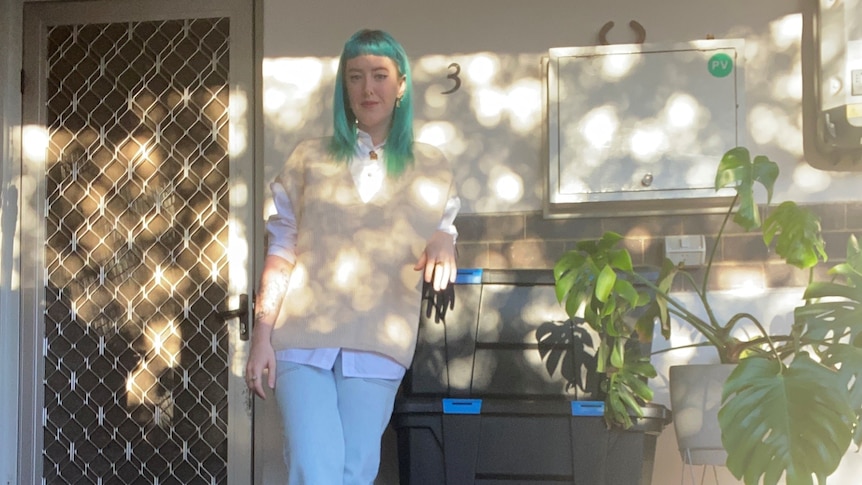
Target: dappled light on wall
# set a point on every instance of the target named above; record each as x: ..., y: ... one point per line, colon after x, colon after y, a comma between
x: 483, y: 110
x: 296, y: 91
x: 439, y: 134
x: 524, y: 102
x: 774, y: 64
x: 743, y: 282
x: 482, y: 68
x: 771, y: 125
x: 507, y: 185
x: 488, y: 104
x: 809, y: 180
x: 784, y: 33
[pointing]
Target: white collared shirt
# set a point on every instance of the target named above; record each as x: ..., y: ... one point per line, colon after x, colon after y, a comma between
x: 368, y: 175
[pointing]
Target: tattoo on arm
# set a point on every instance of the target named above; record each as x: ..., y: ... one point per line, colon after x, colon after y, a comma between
x: 271, y: 295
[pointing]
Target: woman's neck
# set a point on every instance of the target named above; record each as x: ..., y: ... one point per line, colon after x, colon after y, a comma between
x: 378, y: 136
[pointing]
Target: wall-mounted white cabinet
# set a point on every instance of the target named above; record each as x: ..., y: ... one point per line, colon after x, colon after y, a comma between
x: 639, y: 128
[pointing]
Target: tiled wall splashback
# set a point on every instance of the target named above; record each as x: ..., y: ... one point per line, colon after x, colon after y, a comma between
x: 529, y: 240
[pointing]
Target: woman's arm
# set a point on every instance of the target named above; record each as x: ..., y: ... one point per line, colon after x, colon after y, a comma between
x: 273, y: 286
x: 438, y: 258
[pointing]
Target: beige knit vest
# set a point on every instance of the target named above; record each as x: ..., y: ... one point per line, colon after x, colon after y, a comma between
x: 354, y: 285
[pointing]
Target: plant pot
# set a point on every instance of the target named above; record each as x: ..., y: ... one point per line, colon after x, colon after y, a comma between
x: 695, y: 396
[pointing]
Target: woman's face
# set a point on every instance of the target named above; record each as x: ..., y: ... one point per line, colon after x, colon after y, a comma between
x: 373, y: 85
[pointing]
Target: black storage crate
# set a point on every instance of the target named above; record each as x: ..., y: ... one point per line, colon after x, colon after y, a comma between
x: 525, y: 442
x: 508, y: 337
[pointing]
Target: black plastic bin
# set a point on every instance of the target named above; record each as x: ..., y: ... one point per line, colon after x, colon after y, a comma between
x: 507, y: 337
x: 526, y: 442
x: 505, y: 392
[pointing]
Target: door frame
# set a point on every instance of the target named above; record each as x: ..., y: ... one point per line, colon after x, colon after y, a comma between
x: 11, y: 26
x: 244, y: 204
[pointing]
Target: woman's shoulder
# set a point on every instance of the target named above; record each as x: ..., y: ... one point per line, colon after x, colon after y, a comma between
x: 314, y: 144
x: 309, y: 149
x: 425, y: 152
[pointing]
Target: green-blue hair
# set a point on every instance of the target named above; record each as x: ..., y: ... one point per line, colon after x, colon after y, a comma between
x: 398, y: 153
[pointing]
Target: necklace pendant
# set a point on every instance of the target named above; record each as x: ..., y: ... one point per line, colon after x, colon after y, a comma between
x: 372, y: 154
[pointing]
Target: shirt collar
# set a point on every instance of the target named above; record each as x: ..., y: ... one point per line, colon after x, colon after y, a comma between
x: 364, y: 145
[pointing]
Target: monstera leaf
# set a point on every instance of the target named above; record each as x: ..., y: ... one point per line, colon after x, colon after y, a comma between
x: 627, y: 388
x: 831, y: 322
x: 796, y: 231
x: 738, y: 170
x: 785, y: 420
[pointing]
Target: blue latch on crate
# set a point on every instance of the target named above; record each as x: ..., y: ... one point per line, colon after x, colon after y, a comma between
x: 588, y: 408
x: 469, y: 276
x: 462, y: 406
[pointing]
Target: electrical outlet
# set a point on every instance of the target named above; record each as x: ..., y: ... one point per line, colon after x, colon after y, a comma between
x: 689, y: 250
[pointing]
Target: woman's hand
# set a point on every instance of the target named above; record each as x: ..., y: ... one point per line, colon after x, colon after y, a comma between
x: 438, y: 260
x: 260, y: 366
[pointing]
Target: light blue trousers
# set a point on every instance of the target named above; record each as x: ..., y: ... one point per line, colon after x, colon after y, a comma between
x: 332, y: 424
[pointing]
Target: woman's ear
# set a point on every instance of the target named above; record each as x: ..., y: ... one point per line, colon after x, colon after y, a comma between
x: 402, y: 87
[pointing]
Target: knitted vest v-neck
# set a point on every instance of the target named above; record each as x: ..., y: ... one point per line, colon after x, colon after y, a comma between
x: 353, y: 285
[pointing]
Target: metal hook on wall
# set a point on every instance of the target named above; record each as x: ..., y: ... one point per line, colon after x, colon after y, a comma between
x: 634, y: 24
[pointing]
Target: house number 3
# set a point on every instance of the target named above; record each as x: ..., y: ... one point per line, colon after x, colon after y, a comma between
x: 454, y: 77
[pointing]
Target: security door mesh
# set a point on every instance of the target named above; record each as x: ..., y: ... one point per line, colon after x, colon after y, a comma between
x: 135, y: 355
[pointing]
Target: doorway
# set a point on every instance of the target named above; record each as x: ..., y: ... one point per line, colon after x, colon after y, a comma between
x: 138, y: 158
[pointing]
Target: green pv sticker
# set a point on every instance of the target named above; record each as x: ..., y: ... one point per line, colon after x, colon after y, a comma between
x: 720, y: 65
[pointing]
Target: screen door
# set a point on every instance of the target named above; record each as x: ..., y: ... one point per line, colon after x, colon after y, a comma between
x: 138, y: 157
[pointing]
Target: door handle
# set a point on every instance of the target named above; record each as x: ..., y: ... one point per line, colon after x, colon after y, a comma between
x: 241, y: 311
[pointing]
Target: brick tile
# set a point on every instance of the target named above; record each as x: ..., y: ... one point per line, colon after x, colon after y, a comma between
x: 744, y: 248
x: 498, y: 257
x: 653, y: 252
x: 635, y: 246
x: 472, y: 255
x: 832, y: 216
x: 484, y: 228
x: 646, y: 226
x: 836, y: 244
x: 707, y: 224
x: 535, y: 253
x: 784, y: 275
x: 854, y: 217
x: 537, y: 227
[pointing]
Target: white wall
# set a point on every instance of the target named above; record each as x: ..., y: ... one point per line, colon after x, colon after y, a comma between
x: 514, y: 36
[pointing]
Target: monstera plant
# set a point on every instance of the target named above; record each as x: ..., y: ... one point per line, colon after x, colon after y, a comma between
x: 791, y: 407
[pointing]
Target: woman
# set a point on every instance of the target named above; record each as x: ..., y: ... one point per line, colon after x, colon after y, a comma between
x: 357, y: 215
